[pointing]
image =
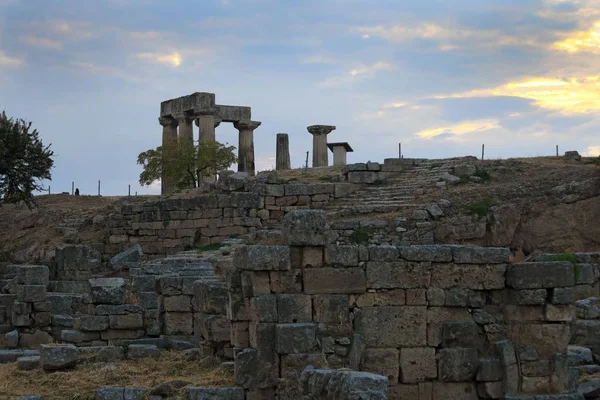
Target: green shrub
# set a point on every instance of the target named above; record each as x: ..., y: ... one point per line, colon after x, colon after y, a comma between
x: 593, y: 161
x: 483, y: 174
x: 325, y: 179
x: 481, y: 208
x: 209, y: 247
x: 380, y: 182
x: 361, y: 235
x: 569, y: 257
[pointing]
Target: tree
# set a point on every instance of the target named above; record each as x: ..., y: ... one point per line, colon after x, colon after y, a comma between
x: 24, y: 161
x: 185, y: 166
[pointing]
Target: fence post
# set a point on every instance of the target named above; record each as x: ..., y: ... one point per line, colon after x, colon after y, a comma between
x: 49, y: 189
x: 306, y: 164
x: 399, y: 150
x: 482, y: 151
x: 98, y: 188
x: 556, y: 150
x: 128, y: 190
x: 72, y: 188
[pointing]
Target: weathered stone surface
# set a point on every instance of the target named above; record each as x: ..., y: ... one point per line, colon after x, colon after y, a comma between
x: 462, y: 334
x: 76, y: 336
x: 126, y: 321
x: 215, y: 328
x: 350, y: 385
x: 255, y: 283
x: 198, y: 393
x: 253, y: 371
x: 93, y: 323
x: 375, y: 299
x: 292, y: 365
x: 474, y: 277
x: 33, y: 275
x: 132, y: 254
x: 417, y: 364
x: 538, y: 275
x: 109, y: 393
x: 177, y: 303
x: 107, y: 290
x: 312, y: 256
x: 480, y: 255
x: 292, y: 308
x: 178, y: 323
x: 286, y: 281
x: 28, y: 363
x: 392, y: 275
x: 305, y: 228
x: 210, y: 297
x: 31, y: 293
x: 346, y: 256
x: 11, y: 339
x: 578, y: 355
x: 490, y: 390
x: 137, y: 351
x: 536, y: 368
x: 382, y: 362
x: 58, y: 357
x: 547, y: 339
x: 334, y: 280
x: 426, y: 253
x: 362, y: 176
x: 383, y: 253
x: 34, y: 339
x: 489, y: 370
x: 331, y: 309
x: 392, y: 326
x: 458, y: 365
x: 528, y: 297
x: 262, y: 258
x: 587, y: 308
x: 264, y: 308
x: 295, y: 338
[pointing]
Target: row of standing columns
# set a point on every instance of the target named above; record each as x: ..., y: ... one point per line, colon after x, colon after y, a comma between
x: 320, y: 148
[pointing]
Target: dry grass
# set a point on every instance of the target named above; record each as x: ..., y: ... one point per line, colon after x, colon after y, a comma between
x: 82, y: 382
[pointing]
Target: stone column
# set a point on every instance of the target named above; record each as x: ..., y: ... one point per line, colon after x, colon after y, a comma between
x: 206, y: 122
x: 169, y: 143
x: 320, y: 152
x: 282, y: 154
x: 186, y: 130
x: 246, y: 145
x: 339, y: 152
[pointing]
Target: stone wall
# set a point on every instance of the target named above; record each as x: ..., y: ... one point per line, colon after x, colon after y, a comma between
x: 441, y: 322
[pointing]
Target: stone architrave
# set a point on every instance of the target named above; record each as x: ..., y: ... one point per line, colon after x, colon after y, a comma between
x: 320, y: 151
x: 339, y: 151
x: 246, y: 145
x: 282, y: 157
x: 169, y: 143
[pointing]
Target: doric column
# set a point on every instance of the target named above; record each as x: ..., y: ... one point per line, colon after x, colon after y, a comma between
x: 246, y: 145
x: 186, y: 130
x: 320, y: 133
x: 169, y: 143
x: 282, y: 152
x: 339, y: 152
x: 207, y: 121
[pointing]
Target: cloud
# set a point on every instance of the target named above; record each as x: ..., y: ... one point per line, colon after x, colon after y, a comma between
x: 173, y: 59
x: 8, y: 61
x: 567, y: 95
x: 592, y: 151
x: 359, y: 72
x: 462, y: 128
x: 103, y: 70
x: 42, y: 42
x: 581, y: 41
x: 319, y: 59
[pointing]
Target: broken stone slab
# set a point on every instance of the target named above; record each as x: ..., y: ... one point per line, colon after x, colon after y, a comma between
x: 578, y: 355
x: 11, y: 339
x: 132, y: 254
x: 33, y: 275
x: 295, y: 338
x: 10, y: 356
x: 458, y: 365
x: 450, y: 178
x: 31, y: 293
x: 587, y: 308
x: 107, y: 290
x: 28, y: 363
x: 200, y: 393
x: 58, y: 357
x: 305, y: 228
x: 137, y: 351
x: 333, y: 385
x: 262, y: 258
x: 232, y: 181
x: 464, y: 170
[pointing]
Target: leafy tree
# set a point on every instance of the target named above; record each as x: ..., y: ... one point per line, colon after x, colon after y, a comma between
x: 185, y: 166
x: 24, y: 161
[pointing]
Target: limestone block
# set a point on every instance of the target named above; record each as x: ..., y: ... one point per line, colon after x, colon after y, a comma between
x: 312, y: 256
x: 126, y: 321
x: 246, y: 200
x: 528, y: 297
x: 383, y: 253
x: 489, y: 370
x: 58, y: 357
x: 240, y: 335
x: 405, y: 392
x: 536, y: 275
x: 43, y: 318
x: 28, y: 363
x: 536, y: 368
x: 93, y: 323
x: 382, y: 362
x: 436, y: 297
x: 404, y: 326
x: 559, y: 313
x: 148, y: 300
x: 464, y: 334
x: 262, y: 338
x: 305, y: 228
x: 390, y: 298
x: 416, y: 297
x: 252, y: 371
x: 334, y: 280
x: 178, y: 323
x: 103, y: 354
x: 121, y: 309
x: 480, y: 255
x: 264, y: 308
x: 417, y: 364
x: 578, y: 355
x: 255, y: 283
x: 201, y: 393
x: 426, y: 253
x: 11, y: 339
x: 31, y: 293
x: 292, y: 365
x: 21, y: 307
x: 295, y: 338
x: 132, y: 254
x: 293, y: 308
x: 474, y: 277
x: 561, y: 295
x: 107, y: 290
x: 177, y: 303
x: 238, y: 307
x: 394, y: 275
x: 262, y: 258
x: 363, y: 176
x: 33, y: 275
x: 458, y: 365
x: 344, y: 384
x: 490, y: 390
x: 345, y: 256
x: 121, y: 334
x: 286, y: 281
x: 331, y: 309
x: 137, y: 351
x: 76, y: 336
x: 210, y: 297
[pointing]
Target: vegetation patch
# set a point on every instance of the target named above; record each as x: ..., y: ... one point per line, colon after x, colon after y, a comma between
x: 569, y: 257
x: 483, y: 174
x: 380, y: 182
x: 361, y: 235
x: 326, y: 179
x: 209, y: 247
x: 593, y: 161
x: 481, y: 208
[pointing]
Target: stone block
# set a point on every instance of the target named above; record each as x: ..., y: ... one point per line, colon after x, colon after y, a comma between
x: 462, y: 334
x: 436, y: 297
x: 312, y: 256
x: 137, y: 351
x: 34, y: 339
x: 11, y: 339
x: 458, y: 365
x: 210, y: 297
x: 528, y: 297
x: 262, y: 258
x: 343, y: 256
x: 177, y: 303
x: 404, y: 326
x: 121, y: 334
x: 416, y: 297
x: 426, y: 253
x: 334, y: 280
x: 148, y: 300
x: 286, y: 281
x: 122, y: 309
x: 537, y: 275
x: 559, y: 313
x: 33, y: 275
x: 178, y: 323
x: 546, y: 339
x: 255, y: 283
x: 292, y: 308
x: 31, y: 293
x: 490, y: 390
x: 126, y: 321
x: 252, y: 371
x: 264, y: 308
x: 561, y: 295
x: 240, y: 335
x: 93, y: 323
x: 383, y: 253
x: 76, y: 336
x: 343, y: 384
x: 132, y: 254
x: 201, y: 393
x: 331, y: 309
x: 417, y: 364
x: 401, y: 392
x: 28, y: 363
x: 107, y: 290
x: 474, y: 277
x: 238, y: 307
x: 214, y: 328
x: 246, y: 200
x: 305, y: 228
x: 480, y: 255
x: 382, y: 362
x: 489, y: 370
x: 375, y: 299
x: 170, y: 285
x: 110, y: 393
x: 363, y: 176
x: 42, y: 318
x: 295, y: 338
x: 292, y: 365
x: 58, y: 357
x: 536, y: 368
x: 397, y: 275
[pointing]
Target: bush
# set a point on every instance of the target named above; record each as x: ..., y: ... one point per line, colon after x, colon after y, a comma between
x: 481, y: 208
x: 361, y: 235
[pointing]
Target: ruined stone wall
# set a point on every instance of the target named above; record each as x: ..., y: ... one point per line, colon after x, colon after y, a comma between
x: 441, y: 322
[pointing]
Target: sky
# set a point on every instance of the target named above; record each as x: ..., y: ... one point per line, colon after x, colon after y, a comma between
x: 442, y: 77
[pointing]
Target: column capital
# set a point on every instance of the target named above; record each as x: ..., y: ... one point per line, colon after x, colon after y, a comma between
x: 216, y: 123
x: 167, y: 121
x: 246, y: 125
x: 319, y: 130
x: 184, y: 118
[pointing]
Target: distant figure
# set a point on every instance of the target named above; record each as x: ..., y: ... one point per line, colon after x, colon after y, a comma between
x: 77, y: 192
